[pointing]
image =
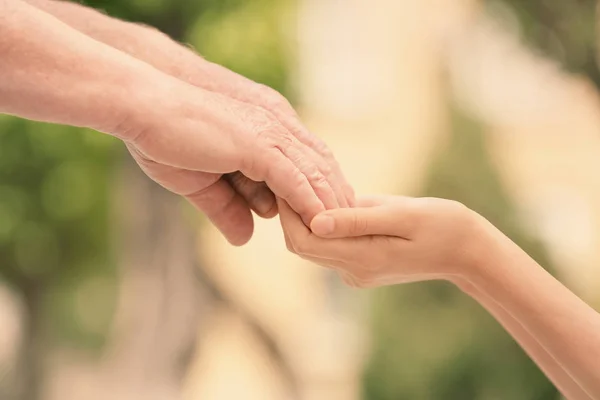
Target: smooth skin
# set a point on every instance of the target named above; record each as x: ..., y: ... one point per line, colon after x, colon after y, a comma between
x: 223, y: 142
x: 388, y: 240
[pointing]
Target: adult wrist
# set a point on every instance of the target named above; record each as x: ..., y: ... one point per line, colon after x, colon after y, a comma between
x: 141, y: 100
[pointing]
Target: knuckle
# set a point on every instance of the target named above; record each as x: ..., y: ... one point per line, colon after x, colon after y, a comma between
x: 262, y: 124
x: 325, y: 151
x: 285, y: 138
x: 254, y: 115
x: 261, y: 163
x: 272, y: 98
x: 296, y: 179
x: 274, y: 136
x: 326, y: 169
x: 249, y: 164
x: 317, y: 178
x: 321, y: 148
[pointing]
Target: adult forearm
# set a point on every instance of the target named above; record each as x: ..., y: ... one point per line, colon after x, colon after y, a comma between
x: 553, y: 370
x: 181, y: 62
x: 51, y: 72
x: 565, y: 326
x: 145, y: 43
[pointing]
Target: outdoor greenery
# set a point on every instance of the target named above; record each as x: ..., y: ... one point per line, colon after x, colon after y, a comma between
x: 56, y: 182
x: 563, y: 30
x: 430, y: 341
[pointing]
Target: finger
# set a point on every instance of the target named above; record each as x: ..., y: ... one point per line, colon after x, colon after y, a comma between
x: 288, y: 117
x: 243, y: 89
x: 297, y: 226
x: 257, y: 194
x: 344, y: 191
x: 311, y: 167
x: 201, y: 189
x: 328, y: 172
x: 351, y: 270
x: 227, y: 210
x: 389, y: 219
x: 339, y: 266
x: 291, y: 224
x: 288, y: 183
x: 354, y: 250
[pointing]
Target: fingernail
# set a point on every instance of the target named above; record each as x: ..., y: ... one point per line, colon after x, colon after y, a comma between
x: 323, y: 225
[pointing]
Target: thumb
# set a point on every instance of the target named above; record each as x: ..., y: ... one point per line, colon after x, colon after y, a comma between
x: 350, y: 222
x: 227, y: 210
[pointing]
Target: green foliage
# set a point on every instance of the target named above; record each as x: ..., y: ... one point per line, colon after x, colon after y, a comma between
x: 245, y: 36
x: 431, y: 341
x: 55, y: 181
x: 53, y: 211
x: 219, y: 38
x: 563, y: 30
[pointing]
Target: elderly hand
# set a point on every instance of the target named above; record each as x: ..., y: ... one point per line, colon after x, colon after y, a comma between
x: 216, y: 147
x: 388, y: 240
x: 193, y: 138
x: 269, y: 135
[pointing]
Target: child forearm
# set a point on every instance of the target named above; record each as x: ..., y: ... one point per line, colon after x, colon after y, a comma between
x: 551, y: 368
x: 565, y: 326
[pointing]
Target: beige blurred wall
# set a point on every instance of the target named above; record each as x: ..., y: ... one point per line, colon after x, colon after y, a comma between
x: 369, y: 82
x: 545, y: 125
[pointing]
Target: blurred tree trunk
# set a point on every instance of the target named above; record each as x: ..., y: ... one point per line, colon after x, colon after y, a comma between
x: 30, y: 358
x: 165, y: 300
x: 161, y: 299
x: 157, y: 315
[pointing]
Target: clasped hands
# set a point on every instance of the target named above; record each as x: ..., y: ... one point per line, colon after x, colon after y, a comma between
x: 230, y: 157
x: 254, y: 162
x: 387, y: 240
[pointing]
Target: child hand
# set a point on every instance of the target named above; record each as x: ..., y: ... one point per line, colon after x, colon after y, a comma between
x: 388, y: 240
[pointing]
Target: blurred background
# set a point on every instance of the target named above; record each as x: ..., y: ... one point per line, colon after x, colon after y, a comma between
x: 110, y: 287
